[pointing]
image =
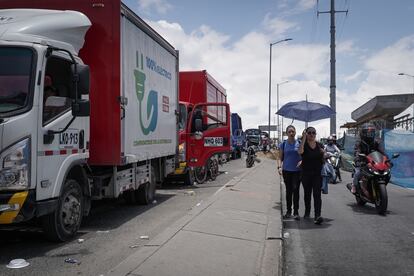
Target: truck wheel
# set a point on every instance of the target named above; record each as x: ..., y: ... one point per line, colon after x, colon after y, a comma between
x: 200, y: 174
x: 189, y: 178
x: 64, y: 222
x: 146, y: 192
x: 213, y: 168
x: 129, y: 197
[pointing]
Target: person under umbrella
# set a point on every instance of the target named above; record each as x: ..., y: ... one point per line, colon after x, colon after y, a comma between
x: 312, y: 160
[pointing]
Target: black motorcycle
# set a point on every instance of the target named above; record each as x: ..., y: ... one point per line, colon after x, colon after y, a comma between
x: 251, y: 157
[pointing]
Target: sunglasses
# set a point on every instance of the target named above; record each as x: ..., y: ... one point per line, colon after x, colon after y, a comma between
x: 311, y: 132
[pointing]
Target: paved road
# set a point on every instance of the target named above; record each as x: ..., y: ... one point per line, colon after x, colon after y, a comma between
x: 354, y: 240
x: 109, y: 232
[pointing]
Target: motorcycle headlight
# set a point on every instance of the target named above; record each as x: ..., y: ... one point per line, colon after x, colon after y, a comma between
x: 181, y: 152
x: 15, y: 166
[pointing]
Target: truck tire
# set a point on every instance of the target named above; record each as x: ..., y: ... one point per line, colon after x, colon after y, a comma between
x: 213, y: 169
x: 129, y: 197
x: 64, y: 222
x: 200, y: 174
x: 146, y: 192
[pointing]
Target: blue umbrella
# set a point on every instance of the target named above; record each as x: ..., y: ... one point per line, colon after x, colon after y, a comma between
x: 305, y: 111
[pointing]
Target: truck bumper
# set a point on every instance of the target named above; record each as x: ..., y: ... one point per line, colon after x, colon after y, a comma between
x: 17, y: 206
x: 21, y: 206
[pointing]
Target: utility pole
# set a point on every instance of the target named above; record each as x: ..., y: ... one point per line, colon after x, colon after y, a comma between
x: 332, y: 94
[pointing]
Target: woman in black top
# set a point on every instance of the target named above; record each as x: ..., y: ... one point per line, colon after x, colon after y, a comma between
x: 312, y: 161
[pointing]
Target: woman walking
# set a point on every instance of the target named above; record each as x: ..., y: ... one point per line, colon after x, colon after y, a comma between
x: 288, y: 167
x: 312, y: 161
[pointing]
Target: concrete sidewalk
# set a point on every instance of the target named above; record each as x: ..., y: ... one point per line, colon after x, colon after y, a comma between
x: 237, y: 231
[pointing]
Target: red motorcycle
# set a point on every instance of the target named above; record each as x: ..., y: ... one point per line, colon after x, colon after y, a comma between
x: 374, y: 177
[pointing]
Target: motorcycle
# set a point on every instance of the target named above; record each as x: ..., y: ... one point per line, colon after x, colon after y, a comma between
x: 251, y: 157
x: 333, y: 159
x: 375, y: 175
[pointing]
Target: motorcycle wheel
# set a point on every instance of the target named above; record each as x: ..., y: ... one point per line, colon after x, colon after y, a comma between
x: 381, y: 203
x: 249, y: 161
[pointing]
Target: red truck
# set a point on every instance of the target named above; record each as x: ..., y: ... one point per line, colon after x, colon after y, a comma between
x: 199, y: 87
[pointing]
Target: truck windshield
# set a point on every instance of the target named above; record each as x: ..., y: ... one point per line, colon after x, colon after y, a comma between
x: 15, y: 74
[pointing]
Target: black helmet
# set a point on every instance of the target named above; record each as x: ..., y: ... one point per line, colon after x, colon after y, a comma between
x: 367, y: 133
x: 330, y: 140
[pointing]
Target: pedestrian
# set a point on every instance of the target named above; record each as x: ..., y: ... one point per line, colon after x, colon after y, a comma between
x: 312, y: 160
x: 288, y: 167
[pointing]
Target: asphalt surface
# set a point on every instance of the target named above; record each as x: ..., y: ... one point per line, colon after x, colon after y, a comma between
x: 110, y: 234
x: 353, y: 240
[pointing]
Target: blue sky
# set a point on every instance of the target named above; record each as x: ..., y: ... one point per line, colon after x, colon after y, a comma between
x: 230, y: 39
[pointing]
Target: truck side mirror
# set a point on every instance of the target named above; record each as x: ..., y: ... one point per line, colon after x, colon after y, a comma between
x: 82, y: 78
x: 198, y: 124
x: 81, y: 108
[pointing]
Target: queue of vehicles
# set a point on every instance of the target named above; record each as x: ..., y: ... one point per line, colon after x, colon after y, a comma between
x: 112, y: 126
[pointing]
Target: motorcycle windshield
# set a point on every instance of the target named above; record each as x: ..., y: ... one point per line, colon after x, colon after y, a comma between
x: 15, y: 79
x: 376, y: 156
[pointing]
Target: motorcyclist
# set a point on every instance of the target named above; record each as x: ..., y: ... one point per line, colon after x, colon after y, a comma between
x: 331, y: 149
x: 365, y: 145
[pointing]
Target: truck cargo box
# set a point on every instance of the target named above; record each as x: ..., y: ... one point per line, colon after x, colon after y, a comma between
x: 134, y: 85
x: 200, y: 87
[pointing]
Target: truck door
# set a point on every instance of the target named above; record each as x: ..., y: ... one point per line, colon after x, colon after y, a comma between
x: 57, y: 153
x: 209, y: 132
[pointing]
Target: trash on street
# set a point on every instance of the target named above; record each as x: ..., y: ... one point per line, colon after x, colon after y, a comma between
x: 72, y: 261
x: 18, y: 263
x: 191, y: 193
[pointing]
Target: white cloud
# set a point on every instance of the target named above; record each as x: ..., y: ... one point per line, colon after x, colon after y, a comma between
x: 278, y: 26
x: 242, y: 67
x: 296, y: 7
x: 161, y: 6
x: 354, y: 76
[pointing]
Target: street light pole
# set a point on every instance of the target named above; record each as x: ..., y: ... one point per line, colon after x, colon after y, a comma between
x: 408, y: 75
x: 278, y: 122
x: 270, y: 77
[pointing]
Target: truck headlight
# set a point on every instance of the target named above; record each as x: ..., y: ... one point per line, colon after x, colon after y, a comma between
x: 15, y: 166
x: 181, y: 152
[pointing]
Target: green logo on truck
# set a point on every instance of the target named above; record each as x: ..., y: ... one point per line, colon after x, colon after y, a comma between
x: 152, y: 101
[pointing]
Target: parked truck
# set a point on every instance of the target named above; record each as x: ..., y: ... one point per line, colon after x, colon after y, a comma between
x: 88, y: 110
x: 237, y: 136
x: 199, y: 87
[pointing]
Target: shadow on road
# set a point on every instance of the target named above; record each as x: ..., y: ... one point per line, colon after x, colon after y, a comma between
x: 367, y: 209
x: 306, y: 224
